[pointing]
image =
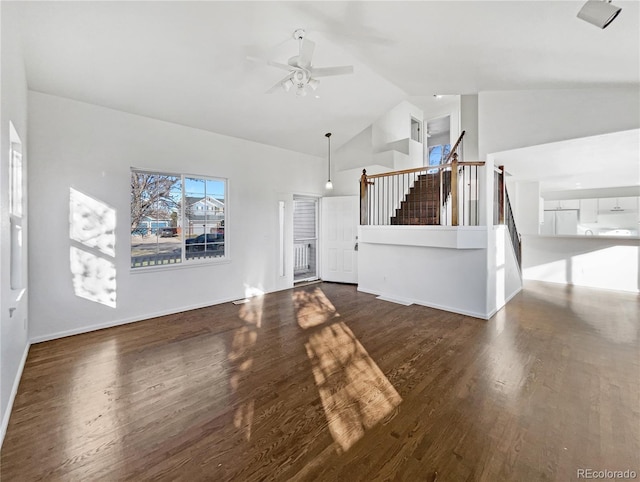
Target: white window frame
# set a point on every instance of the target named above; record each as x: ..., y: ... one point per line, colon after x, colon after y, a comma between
x: 184, y: 261
x: 16, y: 208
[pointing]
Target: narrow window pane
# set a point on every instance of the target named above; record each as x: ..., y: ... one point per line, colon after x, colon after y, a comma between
x: 204, y: 218
x: 155, y: 230
x: 15, y: 180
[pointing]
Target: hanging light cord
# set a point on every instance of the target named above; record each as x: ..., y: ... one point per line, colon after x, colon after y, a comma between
x: 328, y: 136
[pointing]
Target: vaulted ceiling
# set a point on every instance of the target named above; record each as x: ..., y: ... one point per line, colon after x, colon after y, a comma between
x: 186, y: 62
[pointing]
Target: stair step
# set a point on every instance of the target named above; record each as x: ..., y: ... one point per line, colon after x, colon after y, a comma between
x: 421, y: 199
x: 419, y: 206
x: 414, y: 221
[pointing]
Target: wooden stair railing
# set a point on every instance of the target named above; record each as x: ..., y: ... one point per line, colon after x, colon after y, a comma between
x: 516, y: 240
x: 421, y: 206
x: 413, y: 196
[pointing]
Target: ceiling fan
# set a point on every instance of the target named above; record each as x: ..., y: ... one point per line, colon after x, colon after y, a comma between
x: 301, y: 72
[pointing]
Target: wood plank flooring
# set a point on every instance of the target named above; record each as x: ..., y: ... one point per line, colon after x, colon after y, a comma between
x: 325, y: 383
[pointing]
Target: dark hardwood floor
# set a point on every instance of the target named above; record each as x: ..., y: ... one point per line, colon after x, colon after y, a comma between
x: 325, y: 383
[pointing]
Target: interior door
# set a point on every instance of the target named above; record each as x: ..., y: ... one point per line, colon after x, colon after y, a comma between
x: 339, y: 237
x: 566, y: 222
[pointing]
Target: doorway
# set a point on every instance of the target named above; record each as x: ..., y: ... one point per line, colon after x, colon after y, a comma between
x: 438, y: 141
x: 305, y: 239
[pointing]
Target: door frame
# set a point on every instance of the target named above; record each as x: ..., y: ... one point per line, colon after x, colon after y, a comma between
x: 316, y: 201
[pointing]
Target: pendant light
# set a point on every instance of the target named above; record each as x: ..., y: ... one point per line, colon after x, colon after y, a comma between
x: 329, y: 184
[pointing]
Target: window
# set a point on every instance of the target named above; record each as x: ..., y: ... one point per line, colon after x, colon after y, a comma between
x: 176, y: 219
x: 15, y: 207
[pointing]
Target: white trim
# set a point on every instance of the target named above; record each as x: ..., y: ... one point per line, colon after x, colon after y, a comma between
x: 133, y: 319
x: 429, y: 305
x: 395, y: 300
x: 509, y: 298
x: 148, y: 316
x: 14, y: 391
x: 193, y: 263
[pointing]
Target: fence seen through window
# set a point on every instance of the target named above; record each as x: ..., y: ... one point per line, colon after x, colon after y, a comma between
x: 176, y: 218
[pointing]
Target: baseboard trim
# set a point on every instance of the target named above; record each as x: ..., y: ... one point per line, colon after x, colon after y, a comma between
x: 14, y: 391
x: 146, y: 316
x: 125, y: 321
x: 450, y: 309
x: 397, y: 301
x: 509, y: 298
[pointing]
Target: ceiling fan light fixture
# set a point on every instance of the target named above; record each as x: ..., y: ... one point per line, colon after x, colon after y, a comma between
x: 287, y: 84
x: 599, y: 12
x: 300, y: 70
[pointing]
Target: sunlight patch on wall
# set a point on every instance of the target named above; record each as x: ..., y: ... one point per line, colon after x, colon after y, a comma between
x: 355, y: 394
x: 92, y: 223
x: 554, y: 272
x: 94, y: 278
x: 92, y: 226
x: 595, y: 268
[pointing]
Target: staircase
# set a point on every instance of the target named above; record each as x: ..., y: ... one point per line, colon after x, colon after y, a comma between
x: 421, y: 205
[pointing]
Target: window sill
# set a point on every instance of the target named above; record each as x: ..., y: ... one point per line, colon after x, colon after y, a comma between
x: 175, y: 266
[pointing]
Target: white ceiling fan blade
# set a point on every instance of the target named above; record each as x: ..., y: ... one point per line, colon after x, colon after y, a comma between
x: 281, y: 66
x: 272, y: 63
x: 327, y: 71
x: 278, y: 86
x: 306, y: 52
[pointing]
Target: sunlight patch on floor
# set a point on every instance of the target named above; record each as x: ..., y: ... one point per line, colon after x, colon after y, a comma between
x: 355, y: 393
x: 240, y: 358
x: 313, y: 308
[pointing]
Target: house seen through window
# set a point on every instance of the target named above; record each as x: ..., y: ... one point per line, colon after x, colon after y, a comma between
x: 176, y: 218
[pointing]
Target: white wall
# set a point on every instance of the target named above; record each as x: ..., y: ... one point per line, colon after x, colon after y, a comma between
x: 447, y: 279
x: 526, y: 211
x: 91, y: 149
x: 443, y: 267
x: 504, y: 280
x: 394, y: 126
x: 509, y: 120
x: 357, y: 152
x: 469, y: 123
x: 434, y: 108
x: 347, y: 182
x: 13, y: 108
x: 626, y: 191
x: 595, y: 261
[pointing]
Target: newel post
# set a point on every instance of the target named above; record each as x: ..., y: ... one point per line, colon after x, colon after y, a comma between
x: 363, y: 198
x: 454, y: 190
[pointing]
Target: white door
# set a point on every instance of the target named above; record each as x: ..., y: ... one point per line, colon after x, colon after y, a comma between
x: 548, y: 227
x: 339, y: 235
x: 566, y: 222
